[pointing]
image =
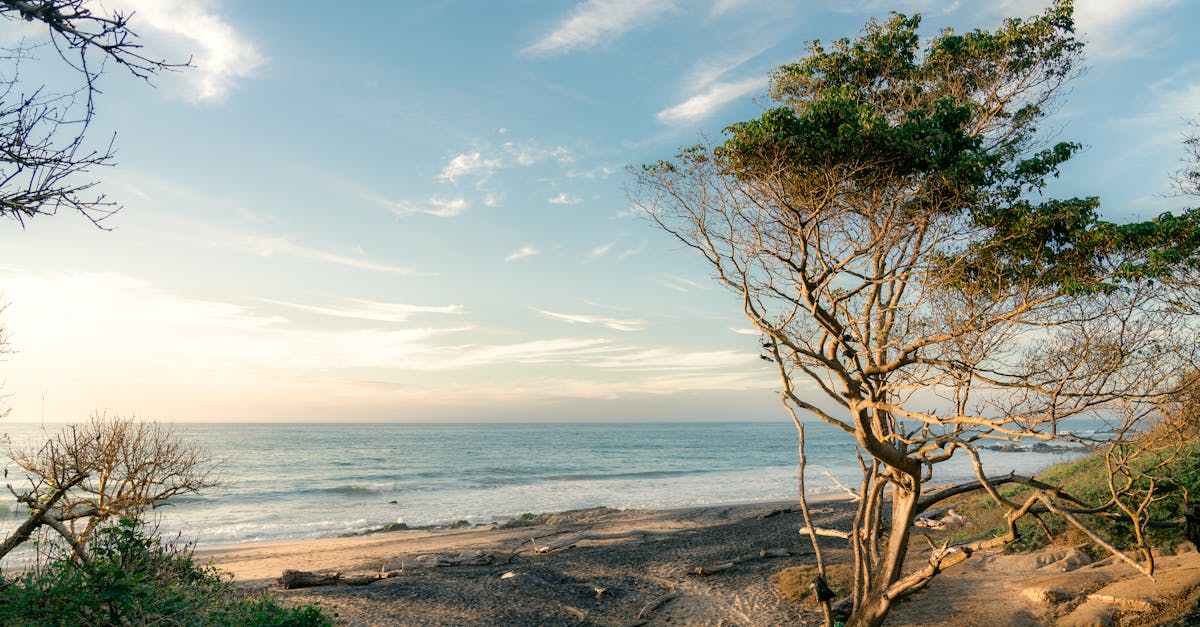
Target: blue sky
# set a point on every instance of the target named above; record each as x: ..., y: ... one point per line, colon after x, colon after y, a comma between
x: 417, y: 210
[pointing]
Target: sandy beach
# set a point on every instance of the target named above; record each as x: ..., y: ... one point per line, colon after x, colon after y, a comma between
x: 616, y: 567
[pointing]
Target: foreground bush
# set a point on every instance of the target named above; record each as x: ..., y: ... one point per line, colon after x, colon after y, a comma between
x: 136, y: 579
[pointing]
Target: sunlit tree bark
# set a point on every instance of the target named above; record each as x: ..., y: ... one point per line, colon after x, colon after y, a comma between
x: 883, y: 228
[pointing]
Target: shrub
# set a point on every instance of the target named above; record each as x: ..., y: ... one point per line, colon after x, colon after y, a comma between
x: 136, y: 579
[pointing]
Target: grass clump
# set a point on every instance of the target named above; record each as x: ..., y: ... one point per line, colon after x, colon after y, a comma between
x: 132, y: 578
x: 794, y: 584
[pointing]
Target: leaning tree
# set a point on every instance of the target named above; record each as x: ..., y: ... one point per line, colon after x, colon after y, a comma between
x: 884, y: 226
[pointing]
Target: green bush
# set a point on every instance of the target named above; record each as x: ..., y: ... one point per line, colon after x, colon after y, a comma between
x: 1086, y: 478
x: 134, y: 578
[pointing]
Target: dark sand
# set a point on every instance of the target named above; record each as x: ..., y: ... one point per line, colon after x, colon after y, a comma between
x: 610, y: 581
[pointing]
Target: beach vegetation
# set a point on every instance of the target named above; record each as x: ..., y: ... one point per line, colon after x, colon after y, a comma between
x: 135, y: 578
x: 108, y: 468
x: 885, y: 225
x: 1167, y: 469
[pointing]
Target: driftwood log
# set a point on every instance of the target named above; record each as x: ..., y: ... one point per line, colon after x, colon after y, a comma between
x: 440, y: 560
x: 304, y: 579
x: 573, y: 540
x: 724, y: 566
x: 643, y: 615
x: 292, y: 579
x: 821, y: 531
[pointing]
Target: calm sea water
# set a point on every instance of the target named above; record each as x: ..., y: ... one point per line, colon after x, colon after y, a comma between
x: 296, y: 481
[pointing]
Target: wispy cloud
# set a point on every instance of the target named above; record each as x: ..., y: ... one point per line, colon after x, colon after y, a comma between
x: 359, y: 309
x: 598, y: 21
x: 268, y: 246
x: 706, y: 103
x: 434, y: 205
x: 631, y: 252
x: 1111, y: 26
x: 616, y: 324
x: 220, y: 54
x: 680, y: 284
x: 745, y: 331
x: 525, y: 251
x: 534, y: 352
x: 721, y: 7
x: 662, y: 359
x: 564, y: 199
x: 599, y: 251
x: 707, y: 71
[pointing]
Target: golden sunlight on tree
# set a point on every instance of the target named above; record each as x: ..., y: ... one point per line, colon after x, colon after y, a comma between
x: 109, y: 467
x: 877, y: 226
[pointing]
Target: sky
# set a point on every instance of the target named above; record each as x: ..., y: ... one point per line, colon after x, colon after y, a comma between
x: 419, y: 211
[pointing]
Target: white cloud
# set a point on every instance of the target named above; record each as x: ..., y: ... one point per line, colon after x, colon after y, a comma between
x: 359, y: 309
x: 601, y: 172
x: 616, y: 324
x: 706, y: 103
x: 534, y: 352
x: 600, y: 251
x: 267, y: 246
x: 528, y: 153
x: 220, y: 54
x: 563, y: 199
x: 680, y: 284
x: 707, y: 71
x: 1110, y: 26
x: 630, y: 252
x: 525, y: 251
x: 469, y: 164
x: 663, y: 359
x: 482, y: 163
x: 597, y: 21
x: 721, y: 7
x: 87, y: 340
x: 434, y: 205
x: 745, y: 331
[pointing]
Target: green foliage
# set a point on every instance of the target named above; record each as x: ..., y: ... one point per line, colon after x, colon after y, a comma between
x: 134, y: 578
x: 459, y: 524
x: 1086, y: 479
x: 886, y: 119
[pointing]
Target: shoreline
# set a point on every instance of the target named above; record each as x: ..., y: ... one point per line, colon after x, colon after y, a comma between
x: 715, y: 564
x: 631, y: 558
x: 258, y: 561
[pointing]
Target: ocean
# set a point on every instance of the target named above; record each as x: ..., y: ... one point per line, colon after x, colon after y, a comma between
x: 297, y: 481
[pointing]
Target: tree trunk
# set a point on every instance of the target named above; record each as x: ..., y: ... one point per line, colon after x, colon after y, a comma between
x: 878, y: 600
